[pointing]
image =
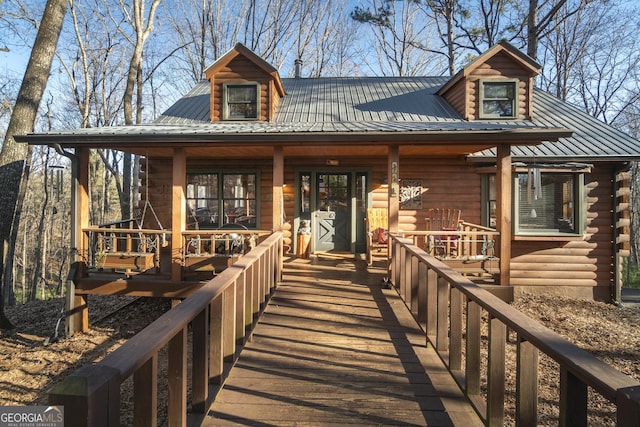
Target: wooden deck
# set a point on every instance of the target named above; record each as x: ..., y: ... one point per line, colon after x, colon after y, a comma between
x: 334, y: 347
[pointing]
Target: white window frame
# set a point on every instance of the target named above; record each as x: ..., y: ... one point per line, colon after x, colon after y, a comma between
x: 515, y: 101
x: 225, y: 100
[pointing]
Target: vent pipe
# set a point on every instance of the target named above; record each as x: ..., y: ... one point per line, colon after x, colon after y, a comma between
x: 297, y: 67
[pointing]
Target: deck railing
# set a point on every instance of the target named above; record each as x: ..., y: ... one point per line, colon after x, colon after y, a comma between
x: 130, y: 249
x: 469, y: 241
x: 219, y: 317
x: 450, y: 308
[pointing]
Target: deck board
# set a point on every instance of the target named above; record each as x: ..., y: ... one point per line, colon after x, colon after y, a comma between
x: 335, y: 348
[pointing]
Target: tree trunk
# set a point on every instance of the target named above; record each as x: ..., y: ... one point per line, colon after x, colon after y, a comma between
x: 532, y: 29
x: 15, y: 158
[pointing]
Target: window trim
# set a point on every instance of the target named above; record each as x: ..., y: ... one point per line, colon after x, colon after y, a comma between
x: 579, y: 207
x: 482, y: 98
x: 225, y: 100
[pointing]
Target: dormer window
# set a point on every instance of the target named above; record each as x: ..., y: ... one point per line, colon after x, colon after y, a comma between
x: 241, y: 101
x: 499, y: 99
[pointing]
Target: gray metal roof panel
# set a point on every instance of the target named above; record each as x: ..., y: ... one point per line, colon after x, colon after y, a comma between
x: 385, y: 104
x: 591, y: 138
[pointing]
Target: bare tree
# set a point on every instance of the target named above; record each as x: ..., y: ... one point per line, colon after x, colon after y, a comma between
x: 15, y: 158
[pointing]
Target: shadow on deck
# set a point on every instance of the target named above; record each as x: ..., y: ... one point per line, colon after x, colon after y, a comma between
x: 334, y: 347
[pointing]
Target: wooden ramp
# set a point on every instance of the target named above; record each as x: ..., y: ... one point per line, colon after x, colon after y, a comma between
x: 335, y: 348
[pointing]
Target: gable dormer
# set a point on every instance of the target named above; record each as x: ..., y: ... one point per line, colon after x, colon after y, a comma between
x: 243, y: 87
x: 497, y: 85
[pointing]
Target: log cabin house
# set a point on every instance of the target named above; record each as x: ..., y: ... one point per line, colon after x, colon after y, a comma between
x: 542, y: 189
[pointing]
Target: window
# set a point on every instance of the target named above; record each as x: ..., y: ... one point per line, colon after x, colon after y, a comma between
x: 498, y: 99
x: 216, y: 199
x: 241, y: 101
x: 545, y: 202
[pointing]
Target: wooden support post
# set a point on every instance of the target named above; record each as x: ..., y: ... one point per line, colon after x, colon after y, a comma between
x: 92, y: 396
x: 504, y: 182
x: 278, y: 183
x: 178, y: 211
x: 77, y: 318
x: 393, y: 177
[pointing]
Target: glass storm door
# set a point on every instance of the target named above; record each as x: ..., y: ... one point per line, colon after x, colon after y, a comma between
x: 333, y: 212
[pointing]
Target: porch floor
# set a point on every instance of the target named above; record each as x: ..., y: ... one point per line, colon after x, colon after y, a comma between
x: 334, y: 347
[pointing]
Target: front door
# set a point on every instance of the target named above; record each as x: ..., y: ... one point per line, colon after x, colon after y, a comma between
x: 333, y: 212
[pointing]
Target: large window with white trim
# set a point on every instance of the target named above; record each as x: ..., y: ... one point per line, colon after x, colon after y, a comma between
x: 545, y: 202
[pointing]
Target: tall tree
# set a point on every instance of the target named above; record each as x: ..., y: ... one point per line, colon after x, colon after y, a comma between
x: 15, y: 157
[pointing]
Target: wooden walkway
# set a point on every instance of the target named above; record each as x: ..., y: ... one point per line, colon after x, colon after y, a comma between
x: 332, y: 348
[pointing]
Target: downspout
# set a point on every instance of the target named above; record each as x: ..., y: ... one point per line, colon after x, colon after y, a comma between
x: 74, y: 241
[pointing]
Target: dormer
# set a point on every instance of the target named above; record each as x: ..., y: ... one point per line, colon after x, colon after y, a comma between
x: 243, y: 87
x: 497, y: 85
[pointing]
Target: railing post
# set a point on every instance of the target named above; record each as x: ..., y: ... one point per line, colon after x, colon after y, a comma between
x: 177, y: 375
x: 455, y: 348
x: 442, y: 335
x: 423, y: 309
x: 526, y: 384
x: 228, y: 322
x: 472, y: 353
x: 145, y: 394
x: 415, y: 283
x: 200, y: 366
x: 92, y: 396
x: 241, y: 295
x: 496, y: 372
x: 432, y: 303
x: 573, y: 400
x: 628, y: 403
x: 216, y: 362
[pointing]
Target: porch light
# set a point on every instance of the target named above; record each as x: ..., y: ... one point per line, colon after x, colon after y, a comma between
x: 333, y: 162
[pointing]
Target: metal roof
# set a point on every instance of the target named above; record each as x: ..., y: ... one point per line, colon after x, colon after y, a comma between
x: 324, y: 108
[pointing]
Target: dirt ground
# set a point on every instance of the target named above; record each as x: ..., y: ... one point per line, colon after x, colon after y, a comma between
x: 31, y: 362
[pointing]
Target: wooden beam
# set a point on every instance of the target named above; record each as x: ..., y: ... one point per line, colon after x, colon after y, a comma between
x: 178, y: 211
x: 393, y: 177
x: 278, y: 183
x: 76, y: 306
x: 503, y: 210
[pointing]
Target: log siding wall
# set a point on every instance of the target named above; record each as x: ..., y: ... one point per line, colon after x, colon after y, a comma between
x: 581, y: 265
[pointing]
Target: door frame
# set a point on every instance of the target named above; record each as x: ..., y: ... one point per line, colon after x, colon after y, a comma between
x: 313, y: 172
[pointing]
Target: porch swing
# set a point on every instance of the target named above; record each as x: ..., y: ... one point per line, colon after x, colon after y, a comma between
x: 146, y: 255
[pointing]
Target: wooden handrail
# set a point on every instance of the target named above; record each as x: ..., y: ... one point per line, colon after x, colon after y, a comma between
x: 436, y: 295
x: 221, y: 315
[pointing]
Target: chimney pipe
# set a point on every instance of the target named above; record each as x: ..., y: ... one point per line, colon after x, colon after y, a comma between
x: 297, y: 67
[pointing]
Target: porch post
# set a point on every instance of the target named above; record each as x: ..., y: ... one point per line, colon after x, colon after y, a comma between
x: 503, y: 210
x: 278, y: 182
x: 178, y: 211
x: 77, y: 318
x: 393, y: 177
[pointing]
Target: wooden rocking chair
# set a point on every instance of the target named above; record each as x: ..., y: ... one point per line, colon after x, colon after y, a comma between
x: 377, y: 226
x: 444, y: 245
